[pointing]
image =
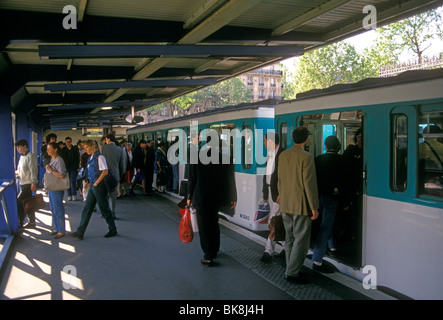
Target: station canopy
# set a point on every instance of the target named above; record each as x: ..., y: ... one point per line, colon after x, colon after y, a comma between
x: 78, y: 63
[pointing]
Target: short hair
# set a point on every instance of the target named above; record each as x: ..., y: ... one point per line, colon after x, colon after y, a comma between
x: 332, y: 143
x: 300, y: 134
x: 273, y: 136
x: 68, y: 138
x: 50, y: 136
x: 111, y: 137
x: 21, y: 143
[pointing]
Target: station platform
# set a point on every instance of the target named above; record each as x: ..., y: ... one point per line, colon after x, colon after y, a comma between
x: 147, y: 261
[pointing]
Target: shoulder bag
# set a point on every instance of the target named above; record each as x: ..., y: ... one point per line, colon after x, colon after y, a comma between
x: 52, y: 183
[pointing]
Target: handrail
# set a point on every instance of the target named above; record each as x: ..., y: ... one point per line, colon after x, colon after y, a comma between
x: 5, y: 185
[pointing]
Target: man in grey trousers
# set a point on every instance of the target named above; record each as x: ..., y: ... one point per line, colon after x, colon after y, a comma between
x: 298, y: 198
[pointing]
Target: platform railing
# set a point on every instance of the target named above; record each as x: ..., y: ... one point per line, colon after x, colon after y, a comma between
x: 5, y: 184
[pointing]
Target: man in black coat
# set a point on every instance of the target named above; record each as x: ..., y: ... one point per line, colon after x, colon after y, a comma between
x: 211, y: 186
x: 270, y: 189
x: 333, y: 187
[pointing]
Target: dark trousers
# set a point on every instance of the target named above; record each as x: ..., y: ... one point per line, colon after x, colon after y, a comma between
x: 149, y: 179
x: 25, y: 192
x: 96, y: 195
x: 209, y: 231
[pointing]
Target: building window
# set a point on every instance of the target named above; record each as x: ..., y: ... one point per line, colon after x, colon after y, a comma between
x: 260, y: 81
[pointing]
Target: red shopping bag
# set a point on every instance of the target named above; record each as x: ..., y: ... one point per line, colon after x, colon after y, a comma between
x: 185, y: 232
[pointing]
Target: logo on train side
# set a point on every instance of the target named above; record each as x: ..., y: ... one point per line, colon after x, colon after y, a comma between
x: 242, y: 148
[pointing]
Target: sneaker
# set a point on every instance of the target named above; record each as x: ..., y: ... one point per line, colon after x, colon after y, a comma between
x: 266, y: 257
x: 74, y: 198
x: 69, y: 198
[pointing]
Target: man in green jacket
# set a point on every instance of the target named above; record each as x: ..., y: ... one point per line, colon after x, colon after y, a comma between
x: 298, y: 198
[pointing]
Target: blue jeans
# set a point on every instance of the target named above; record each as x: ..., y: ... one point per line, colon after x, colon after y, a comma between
x: 96, y: 195
x: 58, y: 210
x: 72, y: 191
x: 328, y: 207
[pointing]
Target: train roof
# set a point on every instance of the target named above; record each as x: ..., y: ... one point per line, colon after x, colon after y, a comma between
x: 404, y: 77
x: 269, y: 103
x: 334, y: 96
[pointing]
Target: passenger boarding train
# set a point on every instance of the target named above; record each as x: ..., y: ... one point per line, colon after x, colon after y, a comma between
x: 395, y: 222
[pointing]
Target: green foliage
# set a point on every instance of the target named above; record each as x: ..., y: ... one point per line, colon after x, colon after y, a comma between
x: 336, y: 63
x: 229, y: 92
x: 414, y: 34
x: 222, y: 94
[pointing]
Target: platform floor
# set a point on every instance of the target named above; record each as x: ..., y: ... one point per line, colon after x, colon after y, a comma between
x: 147, y: 261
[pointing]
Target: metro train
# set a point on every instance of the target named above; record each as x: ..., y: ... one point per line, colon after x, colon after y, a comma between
x: 395, y: 223
x: 247, y: 151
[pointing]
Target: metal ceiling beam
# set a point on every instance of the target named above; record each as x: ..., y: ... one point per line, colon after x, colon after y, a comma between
x: 102, y: 105
x: 138, y: 51
x: 310, y: 15
x: 127, y: 84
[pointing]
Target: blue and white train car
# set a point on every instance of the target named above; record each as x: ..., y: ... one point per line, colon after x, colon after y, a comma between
x: 253, y: 120
x: 395, y: 228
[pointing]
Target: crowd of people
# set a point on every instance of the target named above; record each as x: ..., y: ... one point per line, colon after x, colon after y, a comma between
x: 297, y: 186
x: 90, y: 166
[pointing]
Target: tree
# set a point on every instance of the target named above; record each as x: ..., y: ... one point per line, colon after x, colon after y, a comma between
x: 415, y: 33
x: 336, y: 63
x: 229, y: 92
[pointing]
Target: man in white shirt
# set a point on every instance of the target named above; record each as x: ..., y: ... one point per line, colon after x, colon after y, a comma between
x: 27, y: 173
x: 270, y: 190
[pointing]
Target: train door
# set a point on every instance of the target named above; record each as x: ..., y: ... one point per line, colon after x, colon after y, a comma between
x: 347, y: 127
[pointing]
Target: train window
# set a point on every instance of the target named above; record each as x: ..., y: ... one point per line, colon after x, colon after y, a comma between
x: 399, y: 142
x: 430, y: 164
x: 246, y: 147
x: 284, y: 135
x: 219, y: 127
x: 328, y: 130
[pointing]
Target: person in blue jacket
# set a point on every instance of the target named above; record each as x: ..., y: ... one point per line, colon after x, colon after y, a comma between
x: 97, y: 169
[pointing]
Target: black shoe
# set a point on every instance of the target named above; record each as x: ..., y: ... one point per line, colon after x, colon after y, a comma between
x: 322, y: 268
x: 300, y: 279
x: 266, y: 257
x: 111, y: 234
x: 77, y: 235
